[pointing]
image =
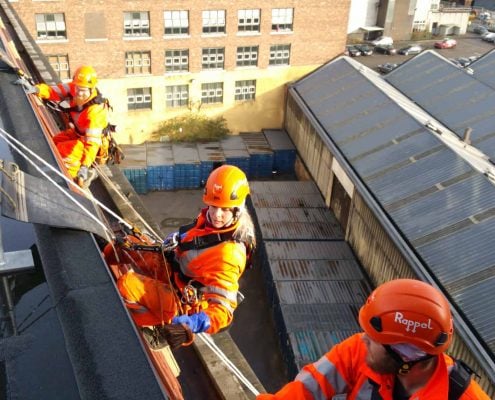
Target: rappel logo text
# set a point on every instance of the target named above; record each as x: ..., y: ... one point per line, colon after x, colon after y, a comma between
x: 410, y: 324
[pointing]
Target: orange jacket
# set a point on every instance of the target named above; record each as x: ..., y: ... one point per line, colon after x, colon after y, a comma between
x: 343, y: 371
x: 88, y: 121
x: 217, y: 268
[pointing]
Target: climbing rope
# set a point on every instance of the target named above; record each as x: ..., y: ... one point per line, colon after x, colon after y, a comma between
x: 17, y: 145
x: 208, y: 340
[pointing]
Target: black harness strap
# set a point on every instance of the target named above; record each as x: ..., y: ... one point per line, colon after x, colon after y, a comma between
x: 459, y: 379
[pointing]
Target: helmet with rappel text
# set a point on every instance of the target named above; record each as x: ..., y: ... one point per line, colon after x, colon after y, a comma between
x: 408, y: 311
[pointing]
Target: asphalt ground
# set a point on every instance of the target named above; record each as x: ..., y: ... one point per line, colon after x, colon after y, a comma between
x: 467, y: 45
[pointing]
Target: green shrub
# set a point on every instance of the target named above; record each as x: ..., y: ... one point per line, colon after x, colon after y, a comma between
x: 191, y: 128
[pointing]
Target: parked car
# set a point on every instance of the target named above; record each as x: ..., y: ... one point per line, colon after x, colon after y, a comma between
x: 386, y: 49
x: 387, y: 67
x: 487, y: 37
x: 480, y: 29
x: 364, y: 49
x: 411, y: 49
x: 383, y: 40
x: 353, y: 51
x: 447, y: 43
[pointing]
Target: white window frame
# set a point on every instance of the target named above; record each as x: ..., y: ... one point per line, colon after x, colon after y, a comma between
x: 176, y: 20
x: 282, y: 19
x: 214, y: 22
x: 248, y: 21
x: 45, y: 27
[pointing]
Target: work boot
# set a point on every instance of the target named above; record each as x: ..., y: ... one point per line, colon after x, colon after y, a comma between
x: 154, y: 337
x: 92, y: 175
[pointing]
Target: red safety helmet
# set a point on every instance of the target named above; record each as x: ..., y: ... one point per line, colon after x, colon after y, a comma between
x: 226, y: 187
x: 408, y: 311
x: 85, y: 76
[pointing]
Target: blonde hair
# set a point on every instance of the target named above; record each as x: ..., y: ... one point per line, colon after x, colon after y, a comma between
x: 245, y: 228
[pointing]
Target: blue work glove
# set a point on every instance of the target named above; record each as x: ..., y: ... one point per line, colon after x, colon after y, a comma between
x: 83, y: 173
x: 28, y: 87
x: 198, y: 322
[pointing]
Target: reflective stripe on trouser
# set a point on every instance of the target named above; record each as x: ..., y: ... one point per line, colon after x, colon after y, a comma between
x: 329, y: 372
x: 155, y: 300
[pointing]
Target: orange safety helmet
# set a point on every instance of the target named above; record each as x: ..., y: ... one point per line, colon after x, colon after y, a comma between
x: 85, y: 76
x: 227, y: 186
x: 408, y: 311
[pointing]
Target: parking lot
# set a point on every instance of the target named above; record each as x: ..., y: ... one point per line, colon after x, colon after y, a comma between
x: 467, y: 45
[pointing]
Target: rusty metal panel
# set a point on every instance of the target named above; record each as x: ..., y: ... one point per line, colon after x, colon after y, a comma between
x: 287, y: 187
x: 308, y: 250
x: 329, y: 292
x: 292, y: 270
x: 286, y: 230
x: 294, y: 200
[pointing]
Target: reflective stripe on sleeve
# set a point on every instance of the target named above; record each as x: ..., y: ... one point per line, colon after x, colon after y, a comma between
x: 232, y: 296
x: 331, y: 374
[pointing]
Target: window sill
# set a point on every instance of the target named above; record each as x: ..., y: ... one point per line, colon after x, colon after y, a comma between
x: 131, y: 38
x: 44, y: 41
x: 249, y: 33
x: 176, y: 37
x: 213, y: 35
x: 96, y: 40
x: 281, y: 33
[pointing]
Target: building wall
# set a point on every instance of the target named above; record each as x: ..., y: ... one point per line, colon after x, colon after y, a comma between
x: 95, y: 36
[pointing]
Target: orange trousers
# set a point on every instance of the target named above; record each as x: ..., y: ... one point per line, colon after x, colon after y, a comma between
x: 72, y: 150
x: 150, y: 301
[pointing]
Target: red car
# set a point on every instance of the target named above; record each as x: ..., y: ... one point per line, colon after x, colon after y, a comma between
x: 446, y: 44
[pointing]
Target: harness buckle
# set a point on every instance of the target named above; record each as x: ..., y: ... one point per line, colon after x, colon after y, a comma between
x: 189, y: 294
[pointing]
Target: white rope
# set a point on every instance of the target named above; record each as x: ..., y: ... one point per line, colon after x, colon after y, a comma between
x: 74, y: 200
x: 208, y: 340
x: 9, y: 139
x: 128, y: 203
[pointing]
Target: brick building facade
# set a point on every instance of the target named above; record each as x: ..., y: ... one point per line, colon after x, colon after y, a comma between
x: 157, y: 60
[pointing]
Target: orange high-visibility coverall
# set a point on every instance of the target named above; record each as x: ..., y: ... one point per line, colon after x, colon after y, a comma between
x: 216, y: 269
x: 78, y: 146
x: 343, y: 371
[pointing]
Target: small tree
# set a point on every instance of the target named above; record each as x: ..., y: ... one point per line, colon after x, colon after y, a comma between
x: 191, y: 128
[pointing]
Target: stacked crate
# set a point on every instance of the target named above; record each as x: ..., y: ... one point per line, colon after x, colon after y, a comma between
x: 133, y: 166
x: 210, y: 156
x: 160, y: 166
x: 235, y: 152
x: 284, y: 151
x: 260, y: 155
x: 187, y: 166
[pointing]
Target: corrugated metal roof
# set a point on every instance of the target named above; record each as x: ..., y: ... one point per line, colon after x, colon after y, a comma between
x: 441, y: 204
x: 283, y: 187
x: 452, y: 96
x: 322, y: 250
x: 283, y: 270
x: 484, y: 69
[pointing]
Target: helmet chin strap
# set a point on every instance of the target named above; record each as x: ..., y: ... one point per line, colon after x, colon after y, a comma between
x: 403, y: 367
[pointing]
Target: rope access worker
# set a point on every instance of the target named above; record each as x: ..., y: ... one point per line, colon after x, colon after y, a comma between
x: 80, y: 143
x: 400, y: 355
x: 210, y: 256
